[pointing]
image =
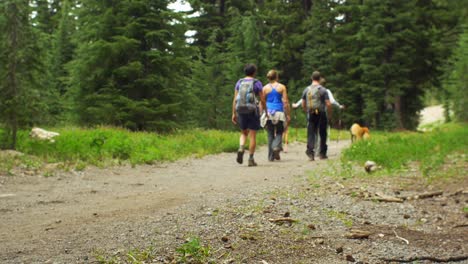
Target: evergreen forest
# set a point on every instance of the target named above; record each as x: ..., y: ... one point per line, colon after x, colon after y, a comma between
x: 142, y: 66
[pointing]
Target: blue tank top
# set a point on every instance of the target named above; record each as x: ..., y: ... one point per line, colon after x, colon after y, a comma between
x: 274, y: 100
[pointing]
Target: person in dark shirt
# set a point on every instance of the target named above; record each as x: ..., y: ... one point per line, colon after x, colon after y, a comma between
x: 317, y: 120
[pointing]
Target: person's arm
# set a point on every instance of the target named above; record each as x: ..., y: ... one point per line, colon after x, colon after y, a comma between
x: 286, y: 109
x: 234, y: 114
x: 297, y: 104
x: 258, y: 87
x: 328, y: 104
x: 332, y: 99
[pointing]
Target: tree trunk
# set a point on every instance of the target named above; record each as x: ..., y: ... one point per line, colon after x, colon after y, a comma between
x: 222, y: 7
x: 307, y: 4
x: 12, y: 78
x: 398, y: 112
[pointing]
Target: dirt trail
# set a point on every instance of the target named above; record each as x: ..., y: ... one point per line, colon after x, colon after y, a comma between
x: 64, y: 217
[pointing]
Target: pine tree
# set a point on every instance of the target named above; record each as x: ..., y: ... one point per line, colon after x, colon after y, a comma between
x: 130, y: 65
x: 457, y: 82
x: 19, y: 70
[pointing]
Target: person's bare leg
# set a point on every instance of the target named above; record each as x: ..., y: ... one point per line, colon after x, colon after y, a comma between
x: 252, y: 141
x: 243, y: 138
x: 252, y: 145
x: 285, y: 140
x: 240, y: 152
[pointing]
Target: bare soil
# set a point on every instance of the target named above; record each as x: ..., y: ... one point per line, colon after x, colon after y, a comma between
x: 77, y: 217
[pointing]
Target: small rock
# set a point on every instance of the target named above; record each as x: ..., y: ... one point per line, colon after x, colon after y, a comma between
x: 58, y: 221
x: 350, y: 258
x: 339, y: 250
x: 320, y: 241
x: 228, y: 246
x: 381, y: 235
x: 209, y: 213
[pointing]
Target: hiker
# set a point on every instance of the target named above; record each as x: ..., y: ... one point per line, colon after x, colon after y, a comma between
x: 315, y: 102
x: 278, y: 114
x: 245, y: 111
x: 330, y: 96
x: 332, y: 101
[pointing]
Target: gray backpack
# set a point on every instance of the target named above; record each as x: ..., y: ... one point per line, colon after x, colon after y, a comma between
x: 246, y: 102
x: 313, y: 102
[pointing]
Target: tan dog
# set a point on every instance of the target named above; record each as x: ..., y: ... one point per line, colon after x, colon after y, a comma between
x: 358, y: 132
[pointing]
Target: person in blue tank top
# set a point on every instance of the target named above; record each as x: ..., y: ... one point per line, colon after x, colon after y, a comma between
x: 277, y: 107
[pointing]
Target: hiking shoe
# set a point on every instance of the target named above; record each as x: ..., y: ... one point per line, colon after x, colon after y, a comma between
x: 240, y: 157
x: 252, y: 163
x: 323, y: 157
x: 310, y: 155
x: 276, y: 154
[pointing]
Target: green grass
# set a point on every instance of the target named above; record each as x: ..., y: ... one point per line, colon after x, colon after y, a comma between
x: 106, y: 145
x: 395, y: 151
x: 193, y: 251
x: 300, y: 134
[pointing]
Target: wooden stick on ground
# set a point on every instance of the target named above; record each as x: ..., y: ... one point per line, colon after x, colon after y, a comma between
x: 435, y: 259
x: 399, y: 237
x: 385, y: 198
x: 284, y: 219
x: 423, y: 196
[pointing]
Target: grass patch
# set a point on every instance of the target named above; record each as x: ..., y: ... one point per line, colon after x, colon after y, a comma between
x: 395, y: 151
x: 11, y: 160
x: 109, y: 146
x: 135, y: 256
x: 300, y: 134
x: 193, y: 251
x: 341, y: 216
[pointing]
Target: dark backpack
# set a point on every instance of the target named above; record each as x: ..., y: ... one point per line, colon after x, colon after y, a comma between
x: 313, y: 100
x: 246, y: 102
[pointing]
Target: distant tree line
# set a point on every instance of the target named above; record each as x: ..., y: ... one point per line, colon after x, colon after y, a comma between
x: 129, y: 63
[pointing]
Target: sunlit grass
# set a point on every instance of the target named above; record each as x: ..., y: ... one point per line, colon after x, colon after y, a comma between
x: 396, y: 150
x: 108, y: 145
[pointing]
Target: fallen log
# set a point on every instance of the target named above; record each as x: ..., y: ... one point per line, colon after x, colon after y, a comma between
x: 434, y: 259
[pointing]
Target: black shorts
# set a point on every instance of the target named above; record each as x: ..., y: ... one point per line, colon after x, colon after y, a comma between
x: 248, y: 121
